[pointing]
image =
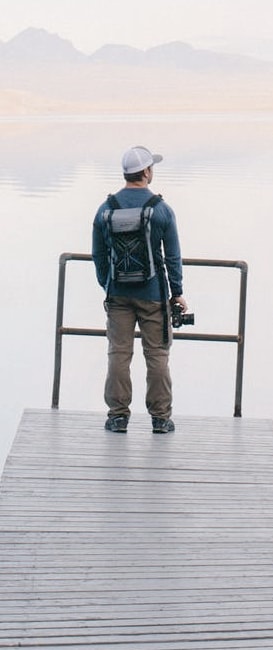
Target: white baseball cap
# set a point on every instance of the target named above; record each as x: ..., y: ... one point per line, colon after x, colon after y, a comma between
x: 138, y: 158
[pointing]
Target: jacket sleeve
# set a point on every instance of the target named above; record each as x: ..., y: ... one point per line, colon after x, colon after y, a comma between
x: 100, y: 251
x: 172, y: 254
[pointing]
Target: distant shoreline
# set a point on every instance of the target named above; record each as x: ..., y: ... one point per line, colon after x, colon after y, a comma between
x: 175, y: 116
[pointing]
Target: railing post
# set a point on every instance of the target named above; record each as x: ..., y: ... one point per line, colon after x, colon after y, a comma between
x: 58, y: 335
x: 241, y: 340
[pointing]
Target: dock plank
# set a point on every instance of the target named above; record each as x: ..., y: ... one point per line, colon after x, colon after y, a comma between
x: 137, y: 541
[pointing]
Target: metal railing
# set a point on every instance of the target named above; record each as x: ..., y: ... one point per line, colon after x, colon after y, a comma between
x: 238, y: 338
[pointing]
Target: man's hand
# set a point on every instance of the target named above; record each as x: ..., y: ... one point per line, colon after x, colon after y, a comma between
x: 180, y: 300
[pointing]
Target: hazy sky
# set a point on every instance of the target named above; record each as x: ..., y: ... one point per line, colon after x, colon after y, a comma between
x: 141, y: 23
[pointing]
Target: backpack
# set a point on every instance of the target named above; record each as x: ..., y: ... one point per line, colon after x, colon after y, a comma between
x: 129, y: 232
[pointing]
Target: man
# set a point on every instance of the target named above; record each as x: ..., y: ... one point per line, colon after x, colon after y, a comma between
x: 143, y: 303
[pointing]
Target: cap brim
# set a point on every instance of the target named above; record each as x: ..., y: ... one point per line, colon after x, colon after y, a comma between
x: 157, y: 158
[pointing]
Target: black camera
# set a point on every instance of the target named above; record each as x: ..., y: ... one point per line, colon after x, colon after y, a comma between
x: 178, y: 318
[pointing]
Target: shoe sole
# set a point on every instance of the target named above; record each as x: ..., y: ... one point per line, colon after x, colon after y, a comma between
x: 116, y: 429
x: 162, y: 431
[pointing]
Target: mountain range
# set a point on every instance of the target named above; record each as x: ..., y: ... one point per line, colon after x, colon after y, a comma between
x: 42, y: 72
x: 35, y: 46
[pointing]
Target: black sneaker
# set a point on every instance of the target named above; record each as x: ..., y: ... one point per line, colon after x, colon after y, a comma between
x: 118, y: 424
x: 162, y: 426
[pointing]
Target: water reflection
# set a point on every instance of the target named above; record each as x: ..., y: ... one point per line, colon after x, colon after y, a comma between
x: 37, y: 158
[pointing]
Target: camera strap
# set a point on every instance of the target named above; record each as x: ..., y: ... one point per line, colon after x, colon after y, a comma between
x: 162, y: 285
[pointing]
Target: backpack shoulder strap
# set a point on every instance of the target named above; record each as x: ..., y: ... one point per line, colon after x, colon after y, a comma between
x: 113, y: 202
x: 153, y: 201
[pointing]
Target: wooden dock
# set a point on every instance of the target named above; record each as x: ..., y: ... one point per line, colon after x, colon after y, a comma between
x: 137, y: 541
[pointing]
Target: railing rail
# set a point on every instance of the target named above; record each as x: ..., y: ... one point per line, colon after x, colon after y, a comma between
x: 238, y: 338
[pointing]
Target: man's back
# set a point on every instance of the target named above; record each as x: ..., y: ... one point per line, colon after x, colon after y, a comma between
x: 163, y: 233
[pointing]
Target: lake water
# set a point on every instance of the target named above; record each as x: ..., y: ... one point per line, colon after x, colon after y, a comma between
x: 217, y: 175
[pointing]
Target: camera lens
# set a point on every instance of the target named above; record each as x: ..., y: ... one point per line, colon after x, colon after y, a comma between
x: 188, y: 319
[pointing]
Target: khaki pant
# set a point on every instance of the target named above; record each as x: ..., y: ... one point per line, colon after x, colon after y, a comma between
x: 123, y: 314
